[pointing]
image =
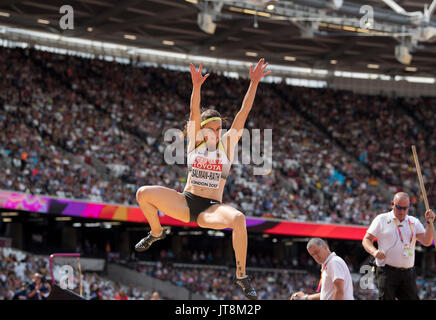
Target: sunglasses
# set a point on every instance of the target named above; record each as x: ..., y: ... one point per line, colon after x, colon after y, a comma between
x: 401, y: 208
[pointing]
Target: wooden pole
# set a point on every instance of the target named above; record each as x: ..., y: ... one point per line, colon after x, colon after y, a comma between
x: 421, y: 183
x: 80, y: 277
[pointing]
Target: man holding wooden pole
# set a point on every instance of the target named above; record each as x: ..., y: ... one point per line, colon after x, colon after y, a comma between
x: 396, y: 234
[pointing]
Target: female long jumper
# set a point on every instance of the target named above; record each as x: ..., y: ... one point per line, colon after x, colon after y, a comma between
x: 209, y: 159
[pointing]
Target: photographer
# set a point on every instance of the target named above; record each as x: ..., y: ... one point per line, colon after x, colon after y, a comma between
x: 45, y: 289
x: 38, y: 289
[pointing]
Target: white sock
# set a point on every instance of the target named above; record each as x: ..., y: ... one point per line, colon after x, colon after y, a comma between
x: 158, y: 235
x: 237, y: 277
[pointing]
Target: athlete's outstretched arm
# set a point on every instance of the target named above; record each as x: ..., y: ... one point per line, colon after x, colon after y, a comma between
x: 194, y: 117
x: 255, y: 76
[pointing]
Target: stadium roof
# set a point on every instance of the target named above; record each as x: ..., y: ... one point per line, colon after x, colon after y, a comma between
x: 304, y: 33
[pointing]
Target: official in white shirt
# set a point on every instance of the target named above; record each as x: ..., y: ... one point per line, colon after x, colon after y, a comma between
x: 335, y: 282
x: 396, y: 234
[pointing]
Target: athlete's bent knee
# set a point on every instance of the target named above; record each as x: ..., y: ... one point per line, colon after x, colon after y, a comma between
x: 238, y: 220
x: 142, y: 193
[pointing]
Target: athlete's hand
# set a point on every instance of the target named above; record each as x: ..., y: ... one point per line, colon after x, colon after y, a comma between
x: 259, y: 71
x: 197, y: 78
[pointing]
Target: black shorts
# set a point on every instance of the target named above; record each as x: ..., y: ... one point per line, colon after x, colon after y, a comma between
x: 197, y: 205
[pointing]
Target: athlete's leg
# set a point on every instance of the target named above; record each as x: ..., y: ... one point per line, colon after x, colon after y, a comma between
x: 168, y: 201
x: 221, y: 216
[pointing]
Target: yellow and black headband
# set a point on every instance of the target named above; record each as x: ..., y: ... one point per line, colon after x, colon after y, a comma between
x: 209, y: 120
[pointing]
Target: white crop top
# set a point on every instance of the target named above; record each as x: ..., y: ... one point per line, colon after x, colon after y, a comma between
x: 208, y: 167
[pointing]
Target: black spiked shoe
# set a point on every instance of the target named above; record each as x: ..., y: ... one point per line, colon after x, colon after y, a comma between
x: 245, y: 285
x: 146, y: 242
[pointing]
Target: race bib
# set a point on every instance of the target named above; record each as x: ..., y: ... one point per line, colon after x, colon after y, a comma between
x: 407, y: 250
x: 206, y: 172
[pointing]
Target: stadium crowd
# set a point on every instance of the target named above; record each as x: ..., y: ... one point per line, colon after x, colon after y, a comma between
x: 113, y: 117
x: 378, y: 131
x: 21, y: 273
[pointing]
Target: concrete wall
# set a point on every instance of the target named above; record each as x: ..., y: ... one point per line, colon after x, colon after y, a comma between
x: 134, y: 278
x: 14, y: 230
x: 69, y: 238
x: 124, y: 245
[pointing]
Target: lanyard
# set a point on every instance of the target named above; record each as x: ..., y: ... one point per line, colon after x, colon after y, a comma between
x: 399, y: 231
x: 322, y: 271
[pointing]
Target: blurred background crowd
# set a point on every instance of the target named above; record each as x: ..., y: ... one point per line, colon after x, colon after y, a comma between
x: 24, y: 276
x: 93, y: 129
x: 21, y: 273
